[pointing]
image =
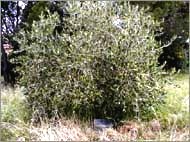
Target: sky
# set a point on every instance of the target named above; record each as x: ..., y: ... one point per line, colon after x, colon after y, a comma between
x: 21, y: 4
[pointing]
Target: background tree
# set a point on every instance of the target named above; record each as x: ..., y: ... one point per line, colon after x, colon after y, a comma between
x: 175, y: 22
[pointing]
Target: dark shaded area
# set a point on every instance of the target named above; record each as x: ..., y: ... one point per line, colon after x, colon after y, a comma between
x: 6, y: 68
x: 105, y: 77
x: 175, y: 55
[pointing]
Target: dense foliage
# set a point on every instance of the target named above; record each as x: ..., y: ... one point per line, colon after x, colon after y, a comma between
x: 96, y: 67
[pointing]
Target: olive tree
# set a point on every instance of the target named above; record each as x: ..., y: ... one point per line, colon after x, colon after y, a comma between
x: 102, y: 64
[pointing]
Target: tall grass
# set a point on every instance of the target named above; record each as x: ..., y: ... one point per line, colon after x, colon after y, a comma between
x: 14, y: 114
x: 175, y: 112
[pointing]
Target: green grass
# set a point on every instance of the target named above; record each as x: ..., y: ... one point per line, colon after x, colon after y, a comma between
x: 176, y: 109
x: 14, y: 114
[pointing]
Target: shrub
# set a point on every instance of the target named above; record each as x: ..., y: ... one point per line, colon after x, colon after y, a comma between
x: 98, y: 66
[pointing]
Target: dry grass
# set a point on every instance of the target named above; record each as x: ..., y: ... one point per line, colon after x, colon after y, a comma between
x: 63, y: 130
x: 69, y: 130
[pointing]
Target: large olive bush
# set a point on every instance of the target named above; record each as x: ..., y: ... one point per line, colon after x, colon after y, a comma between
x: 100, y: 65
